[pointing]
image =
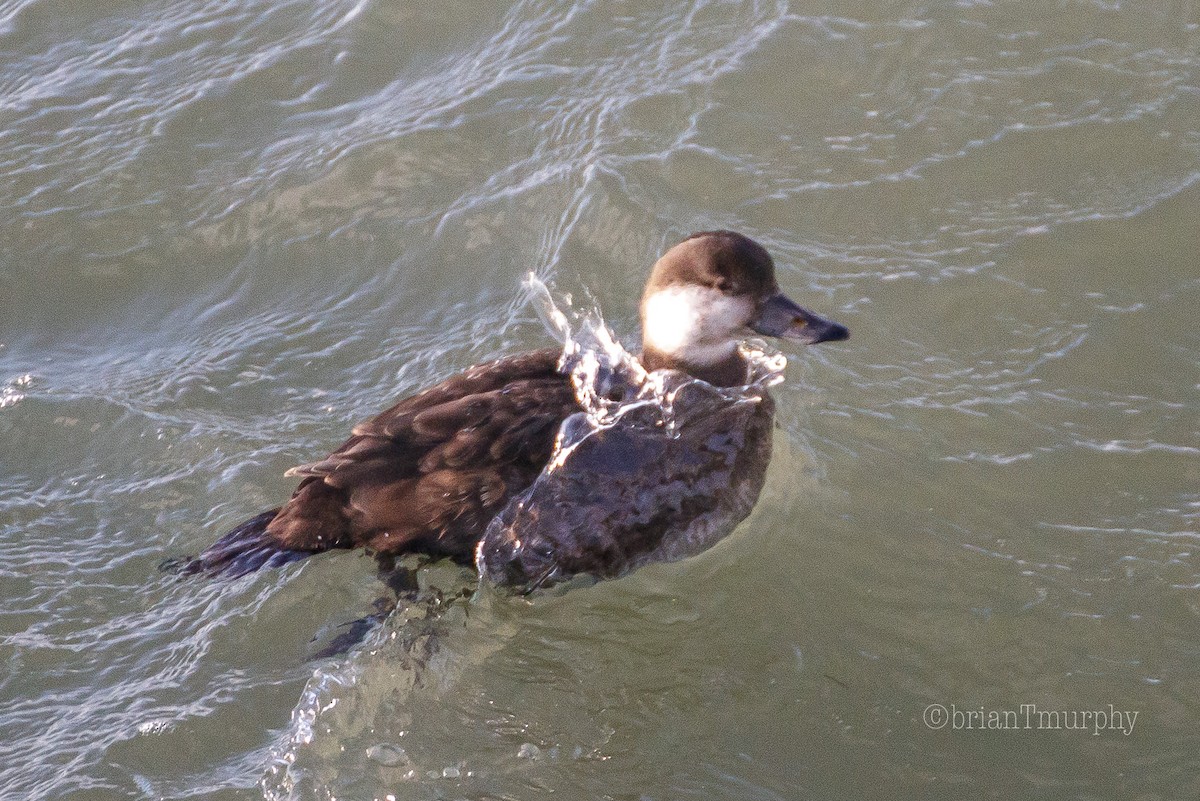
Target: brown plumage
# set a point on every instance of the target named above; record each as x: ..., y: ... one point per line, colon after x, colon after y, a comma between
x: 429, y: 474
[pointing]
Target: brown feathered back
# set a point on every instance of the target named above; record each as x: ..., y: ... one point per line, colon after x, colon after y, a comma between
x: 429, y: 473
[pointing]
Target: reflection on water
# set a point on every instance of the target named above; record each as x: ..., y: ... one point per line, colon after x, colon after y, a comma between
x: 232, y: 230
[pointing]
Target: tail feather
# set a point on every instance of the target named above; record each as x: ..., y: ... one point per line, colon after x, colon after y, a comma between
x: 243, y: 550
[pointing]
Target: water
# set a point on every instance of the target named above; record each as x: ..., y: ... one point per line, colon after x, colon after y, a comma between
x: 231, y: 230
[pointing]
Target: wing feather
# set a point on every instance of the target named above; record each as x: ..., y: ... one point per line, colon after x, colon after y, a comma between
x: 430, y: 472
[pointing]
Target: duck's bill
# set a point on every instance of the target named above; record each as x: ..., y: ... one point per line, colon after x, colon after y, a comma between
x: 782, y: 317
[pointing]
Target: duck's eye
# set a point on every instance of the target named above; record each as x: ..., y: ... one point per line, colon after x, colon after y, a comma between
x: 724, y: 284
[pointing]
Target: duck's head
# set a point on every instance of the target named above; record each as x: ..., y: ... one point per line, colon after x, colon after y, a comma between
x: 709, y: 292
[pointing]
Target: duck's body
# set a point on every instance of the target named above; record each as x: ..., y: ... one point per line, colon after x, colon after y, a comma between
x: 431, y: 473
x: 655, y: 485
x: 427, y: 475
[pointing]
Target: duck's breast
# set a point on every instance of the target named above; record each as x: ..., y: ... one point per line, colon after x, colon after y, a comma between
x: 626, y: 495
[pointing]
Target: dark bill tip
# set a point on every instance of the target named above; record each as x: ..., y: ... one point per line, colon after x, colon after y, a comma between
x: 780, y: 316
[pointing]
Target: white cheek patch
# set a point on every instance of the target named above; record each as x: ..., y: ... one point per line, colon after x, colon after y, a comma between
x: 672, y: 318
x: 695, y: 323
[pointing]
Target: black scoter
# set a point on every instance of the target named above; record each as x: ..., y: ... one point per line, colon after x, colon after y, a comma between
x: 451, y: 470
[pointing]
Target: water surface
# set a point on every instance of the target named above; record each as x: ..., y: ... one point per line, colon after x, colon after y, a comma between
x: 232, y: 230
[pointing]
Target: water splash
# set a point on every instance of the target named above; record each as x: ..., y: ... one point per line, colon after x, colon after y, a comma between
x: 12, y: 392
x: 613, y: 387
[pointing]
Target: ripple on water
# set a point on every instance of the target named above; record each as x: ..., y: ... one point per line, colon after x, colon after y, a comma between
x: 234, y: 229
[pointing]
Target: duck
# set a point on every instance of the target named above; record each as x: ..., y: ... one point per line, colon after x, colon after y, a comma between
x: 474, y: 468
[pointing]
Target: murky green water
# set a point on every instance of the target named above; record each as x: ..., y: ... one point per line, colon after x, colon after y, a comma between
x: 231, y: 230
